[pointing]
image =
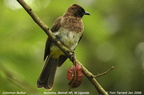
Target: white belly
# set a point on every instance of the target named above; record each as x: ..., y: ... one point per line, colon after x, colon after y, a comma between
x: 69, y: 38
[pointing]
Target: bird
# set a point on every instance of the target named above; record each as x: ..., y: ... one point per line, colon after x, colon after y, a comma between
x: 68, y: 29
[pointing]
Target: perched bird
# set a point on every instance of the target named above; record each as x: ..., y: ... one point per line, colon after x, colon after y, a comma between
x: 68, y: 29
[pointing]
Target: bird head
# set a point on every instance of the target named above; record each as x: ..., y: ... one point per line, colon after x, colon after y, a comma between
x: 76, y: 10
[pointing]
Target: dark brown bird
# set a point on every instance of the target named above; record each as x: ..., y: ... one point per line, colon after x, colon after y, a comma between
x: 68, y: 29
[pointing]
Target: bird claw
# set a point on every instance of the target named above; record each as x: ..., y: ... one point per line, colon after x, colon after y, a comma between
x: 72, y: 56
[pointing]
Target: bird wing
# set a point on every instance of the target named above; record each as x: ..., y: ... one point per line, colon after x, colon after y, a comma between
x: 56, y: 24
x: 54, y: 28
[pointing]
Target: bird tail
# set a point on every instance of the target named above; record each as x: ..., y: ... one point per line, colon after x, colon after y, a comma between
x: 47, y: 75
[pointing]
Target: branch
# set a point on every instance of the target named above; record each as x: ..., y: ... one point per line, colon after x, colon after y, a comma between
x: 101, y: 74
x: 16, y: 80
x: 67, y: 52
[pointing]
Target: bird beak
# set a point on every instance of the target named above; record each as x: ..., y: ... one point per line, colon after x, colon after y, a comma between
x: 86, y: 13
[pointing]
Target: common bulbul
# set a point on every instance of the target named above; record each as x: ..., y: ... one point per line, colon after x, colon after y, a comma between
x: 68, y: 29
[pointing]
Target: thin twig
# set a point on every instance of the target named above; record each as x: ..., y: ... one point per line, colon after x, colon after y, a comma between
x: 101, y: 74
x: 66, y: 51
x: 16, y: 80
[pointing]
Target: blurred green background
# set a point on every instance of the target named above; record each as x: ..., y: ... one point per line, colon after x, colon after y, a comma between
x: 113, y: 36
